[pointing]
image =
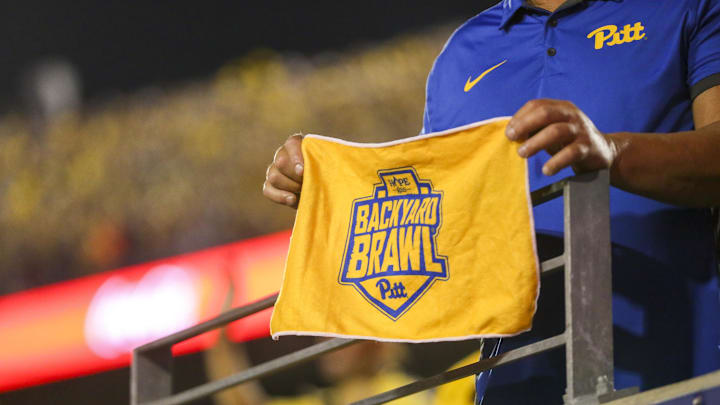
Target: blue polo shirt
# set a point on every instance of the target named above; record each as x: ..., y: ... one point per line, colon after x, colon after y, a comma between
x: 630, y: 65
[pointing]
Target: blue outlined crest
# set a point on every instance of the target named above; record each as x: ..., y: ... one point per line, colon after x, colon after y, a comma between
x: 391, y: 255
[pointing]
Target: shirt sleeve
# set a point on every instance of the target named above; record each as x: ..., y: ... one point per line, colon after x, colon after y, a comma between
x: 427, y: 126
x: 426, y: 122
x: 704, y: 48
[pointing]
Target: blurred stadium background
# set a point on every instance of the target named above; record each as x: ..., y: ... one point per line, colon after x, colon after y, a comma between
x: 132, y: 132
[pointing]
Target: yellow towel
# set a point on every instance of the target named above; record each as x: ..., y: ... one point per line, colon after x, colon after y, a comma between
x: 428, y: 238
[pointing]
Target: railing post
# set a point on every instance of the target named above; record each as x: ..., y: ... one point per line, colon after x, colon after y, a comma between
x: 151, y: 375
x: 588, y: 289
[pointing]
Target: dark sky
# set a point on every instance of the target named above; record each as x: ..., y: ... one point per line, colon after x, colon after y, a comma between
x: 123, y: 45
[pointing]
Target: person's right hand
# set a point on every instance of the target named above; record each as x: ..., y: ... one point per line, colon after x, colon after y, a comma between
x: 283, y: 179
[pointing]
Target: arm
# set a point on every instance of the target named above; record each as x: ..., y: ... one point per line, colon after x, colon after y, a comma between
x: 683, y: 167
x: 680, y: 168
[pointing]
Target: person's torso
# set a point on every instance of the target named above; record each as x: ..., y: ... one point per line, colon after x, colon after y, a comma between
x: 623, y: 63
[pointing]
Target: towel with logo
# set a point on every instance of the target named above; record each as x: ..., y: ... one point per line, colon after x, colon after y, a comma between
x: 428, y: 238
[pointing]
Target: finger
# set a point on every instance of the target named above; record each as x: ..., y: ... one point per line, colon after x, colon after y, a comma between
x: 569, y: 155
x: 280, y: 196
x: 535, y: 115
x: 552, y: 138
x: 289, y: 158
x: 284, y: 163
x: 280, y: 181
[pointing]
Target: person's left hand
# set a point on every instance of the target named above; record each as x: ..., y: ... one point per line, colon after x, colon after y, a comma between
x: 565, y: 132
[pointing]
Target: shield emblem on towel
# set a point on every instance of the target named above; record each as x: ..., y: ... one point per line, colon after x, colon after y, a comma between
x: 391, y: 254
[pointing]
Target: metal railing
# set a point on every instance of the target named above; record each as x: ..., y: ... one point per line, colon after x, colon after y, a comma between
x: 588, y: 318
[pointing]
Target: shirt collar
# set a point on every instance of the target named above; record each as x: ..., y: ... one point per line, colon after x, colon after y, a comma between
x: 511, y: 7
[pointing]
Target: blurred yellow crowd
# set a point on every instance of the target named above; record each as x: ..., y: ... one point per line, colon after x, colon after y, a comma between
x: 161, y: 172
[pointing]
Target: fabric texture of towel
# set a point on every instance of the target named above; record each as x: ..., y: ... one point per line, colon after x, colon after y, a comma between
x: 428, y: 238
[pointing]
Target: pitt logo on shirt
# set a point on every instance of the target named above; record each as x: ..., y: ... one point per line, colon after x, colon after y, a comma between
x: 391, y: 255
x: 627, y: 34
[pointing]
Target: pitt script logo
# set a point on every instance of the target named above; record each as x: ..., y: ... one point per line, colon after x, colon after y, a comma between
x: 627, y: 34
x: 391, y: 254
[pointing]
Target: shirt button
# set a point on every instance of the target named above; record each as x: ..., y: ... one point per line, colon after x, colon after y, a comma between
x: 553, y: 22
x: 551, y: 51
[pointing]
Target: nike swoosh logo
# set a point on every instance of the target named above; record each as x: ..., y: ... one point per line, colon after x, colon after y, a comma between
x: 470, y: 84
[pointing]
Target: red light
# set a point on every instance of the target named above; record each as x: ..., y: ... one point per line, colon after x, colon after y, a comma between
x: 91, y: 324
